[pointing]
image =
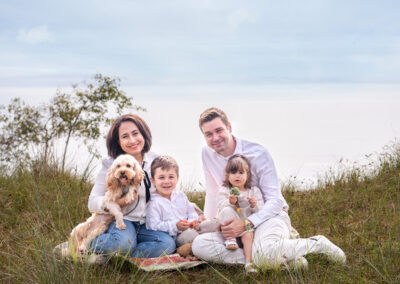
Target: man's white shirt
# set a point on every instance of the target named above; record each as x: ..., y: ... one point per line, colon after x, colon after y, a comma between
x: 264, y: 176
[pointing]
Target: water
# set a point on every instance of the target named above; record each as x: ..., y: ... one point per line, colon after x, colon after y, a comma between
x: 306, y: 128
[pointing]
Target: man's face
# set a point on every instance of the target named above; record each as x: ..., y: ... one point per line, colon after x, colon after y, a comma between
x: 218, y: 136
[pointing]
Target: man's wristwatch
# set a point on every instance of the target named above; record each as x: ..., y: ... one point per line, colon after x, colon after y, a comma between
x: 248, y: 225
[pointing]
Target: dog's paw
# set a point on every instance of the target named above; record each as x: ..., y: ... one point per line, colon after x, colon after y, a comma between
x: 129, y: 200
x: 121, y: 226
x: 81, y: 250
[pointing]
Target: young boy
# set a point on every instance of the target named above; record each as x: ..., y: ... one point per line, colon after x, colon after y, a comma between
x: 169, y: 210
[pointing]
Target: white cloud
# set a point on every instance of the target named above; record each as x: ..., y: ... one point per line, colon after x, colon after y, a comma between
x: 34, y: 35
x: 239, y: 17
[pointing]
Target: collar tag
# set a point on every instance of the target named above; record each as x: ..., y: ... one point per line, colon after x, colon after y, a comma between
x: 125, y: 191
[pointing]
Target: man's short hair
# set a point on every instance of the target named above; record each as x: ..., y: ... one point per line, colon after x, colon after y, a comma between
x: 164, y: 162
x: 211, y: 113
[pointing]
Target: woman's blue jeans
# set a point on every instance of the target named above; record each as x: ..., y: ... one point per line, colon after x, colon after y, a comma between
x: 135, y: 241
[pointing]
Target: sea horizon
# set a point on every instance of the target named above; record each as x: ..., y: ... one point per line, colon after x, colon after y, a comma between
x: 307, y: 128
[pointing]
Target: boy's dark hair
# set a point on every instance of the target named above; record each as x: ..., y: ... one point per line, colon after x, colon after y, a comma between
x: 165, y: 163
x: 211, y: 113
x: 237, y: 163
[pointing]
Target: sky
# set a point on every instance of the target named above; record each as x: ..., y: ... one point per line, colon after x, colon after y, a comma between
x: 56, y: 43
x: 313, y: 81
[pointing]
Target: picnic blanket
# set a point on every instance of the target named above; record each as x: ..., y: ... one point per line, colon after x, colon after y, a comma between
x: 165, y: 263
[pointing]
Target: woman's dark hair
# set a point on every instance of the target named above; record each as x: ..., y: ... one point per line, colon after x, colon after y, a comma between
x: 113, y: 145
x: 237, y: 163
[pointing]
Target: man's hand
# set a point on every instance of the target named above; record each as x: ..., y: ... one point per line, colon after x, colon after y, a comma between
x: 233, y: 199
x: 232, y: 228
x: 182, y: 225
x: 252, y: 201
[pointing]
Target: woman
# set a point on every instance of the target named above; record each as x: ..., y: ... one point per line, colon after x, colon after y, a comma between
x: 129, y: 134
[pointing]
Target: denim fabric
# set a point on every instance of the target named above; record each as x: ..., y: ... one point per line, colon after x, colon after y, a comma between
x: 135, y: 241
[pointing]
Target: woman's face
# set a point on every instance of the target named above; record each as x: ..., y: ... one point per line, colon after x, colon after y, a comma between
x: 130, y: 139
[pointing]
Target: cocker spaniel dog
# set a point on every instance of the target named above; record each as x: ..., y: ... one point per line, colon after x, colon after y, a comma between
x: 123, y: 181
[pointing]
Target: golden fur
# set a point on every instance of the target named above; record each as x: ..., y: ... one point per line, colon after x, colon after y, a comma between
x: 125, y: 171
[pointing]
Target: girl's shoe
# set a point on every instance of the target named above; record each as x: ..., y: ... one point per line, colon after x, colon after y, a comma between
x: 231, y: 244
x: 250, y: 268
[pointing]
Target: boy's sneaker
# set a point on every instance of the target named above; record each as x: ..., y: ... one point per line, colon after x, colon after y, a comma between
x: 325, y: 246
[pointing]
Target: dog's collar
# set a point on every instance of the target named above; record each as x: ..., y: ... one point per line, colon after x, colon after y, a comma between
x: 125, y: 191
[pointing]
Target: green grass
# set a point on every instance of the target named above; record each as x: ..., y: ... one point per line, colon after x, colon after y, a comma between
x: 358, y: 209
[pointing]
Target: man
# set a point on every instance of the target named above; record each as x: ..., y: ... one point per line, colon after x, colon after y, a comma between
x: 272, y: 245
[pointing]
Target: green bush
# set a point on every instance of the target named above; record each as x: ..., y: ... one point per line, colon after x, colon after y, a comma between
x: 358, y: 209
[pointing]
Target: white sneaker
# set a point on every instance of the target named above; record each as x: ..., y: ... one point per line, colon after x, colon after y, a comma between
x: 298, y: 264
x: 325, y: 246
x: 62, y: 250
x: 96, y: 259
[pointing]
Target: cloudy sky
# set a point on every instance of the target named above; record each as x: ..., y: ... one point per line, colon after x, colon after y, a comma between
x: 311, y: 80
x: 56, y: 43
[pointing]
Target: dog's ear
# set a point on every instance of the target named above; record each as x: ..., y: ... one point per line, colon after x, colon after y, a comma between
x: 112, y: 182
x: 139, y: 175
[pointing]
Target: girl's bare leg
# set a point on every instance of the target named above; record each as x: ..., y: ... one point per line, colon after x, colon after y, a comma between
x: 247, y: 240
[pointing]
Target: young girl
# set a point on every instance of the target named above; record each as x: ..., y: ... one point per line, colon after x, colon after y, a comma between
x: 238, y: 174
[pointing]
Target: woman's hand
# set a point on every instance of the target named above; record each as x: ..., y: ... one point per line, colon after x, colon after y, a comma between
x: 182, y: 225
x: 252, y: 201
x: 233, y: 199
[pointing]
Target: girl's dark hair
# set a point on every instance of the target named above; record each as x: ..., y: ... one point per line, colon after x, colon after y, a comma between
x: 113, y: 145
x: 237, y: 163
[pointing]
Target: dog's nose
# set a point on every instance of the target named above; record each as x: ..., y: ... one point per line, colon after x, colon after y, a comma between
x: 122, y: 173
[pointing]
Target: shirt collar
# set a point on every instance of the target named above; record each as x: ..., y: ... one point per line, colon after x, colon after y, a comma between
x: 239, y: 146
x: 238, y: 149
x: 145, y: 161
x: 173, y: 195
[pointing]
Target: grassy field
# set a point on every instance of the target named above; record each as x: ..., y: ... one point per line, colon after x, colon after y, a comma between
x: 358, y: 209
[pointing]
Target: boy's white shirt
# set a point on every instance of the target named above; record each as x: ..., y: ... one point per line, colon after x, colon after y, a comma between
x: 162, y: 214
